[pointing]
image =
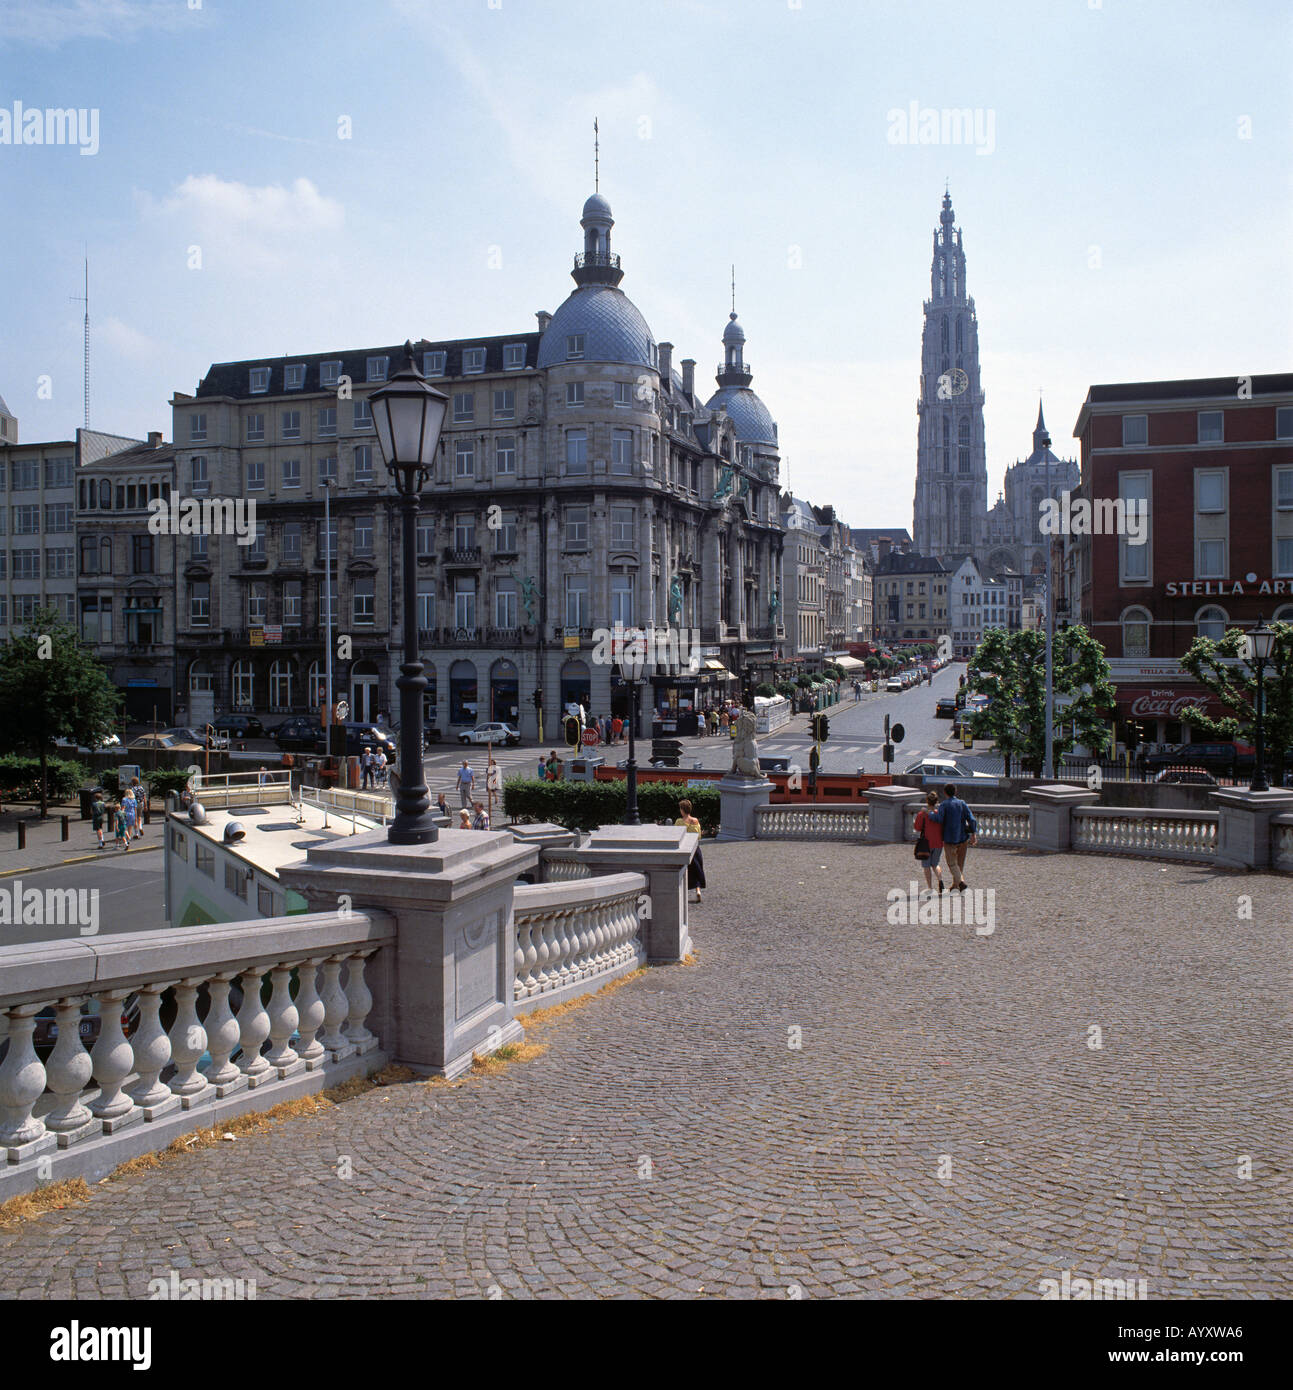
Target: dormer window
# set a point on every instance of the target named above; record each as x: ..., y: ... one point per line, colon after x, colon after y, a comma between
x: 377, y: 368
x: 433, y: 363
x: 575, y: 347
x: 294, y: 376
x: 329, y: 372
x: 259, y: 380
x: 473, y: 360
x: 513, y: 356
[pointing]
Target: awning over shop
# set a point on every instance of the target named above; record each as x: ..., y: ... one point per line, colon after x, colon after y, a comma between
x: 717, y: 668
x: 848, y: 663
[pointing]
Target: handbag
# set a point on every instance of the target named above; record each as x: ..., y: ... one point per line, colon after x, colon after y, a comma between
x: 922, y: 846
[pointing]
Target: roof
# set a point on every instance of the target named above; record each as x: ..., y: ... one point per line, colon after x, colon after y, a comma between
x: 903, y: 562
x: 137, y: 456
x: 234, y: 378
x: 752, y: 419
x: 4, y: 409
x: 1272, y: 384
x: 868, y: 535
x: 613, y: 329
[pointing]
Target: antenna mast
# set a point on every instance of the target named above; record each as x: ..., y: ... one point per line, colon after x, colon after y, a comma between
x: 85, y: 365
x: 597, y: 155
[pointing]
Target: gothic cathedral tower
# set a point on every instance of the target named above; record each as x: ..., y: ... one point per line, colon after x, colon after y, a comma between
x: 951, y: 508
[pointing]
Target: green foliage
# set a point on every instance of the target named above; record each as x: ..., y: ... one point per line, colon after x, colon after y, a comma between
x: 110, y: 781
x: 787, y: 689
x: 163, y: 780
x: 1217, y: 667
x: 586, y: 805
x: 765, y: 690
x: 835, y: 672
x: 20, y: 778
x: 803, y: 682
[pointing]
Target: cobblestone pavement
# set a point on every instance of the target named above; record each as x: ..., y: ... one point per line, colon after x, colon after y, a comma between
x: 946, y: 1129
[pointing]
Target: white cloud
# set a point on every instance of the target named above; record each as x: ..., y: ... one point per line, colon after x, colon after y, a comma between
x: 50, y: 23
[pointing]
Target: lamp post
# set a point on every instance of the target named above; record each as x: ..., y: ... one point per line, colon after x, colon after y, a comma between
x: 408, y: 414
x: 1048, y: 766
x: 327, y: 610
x: 1263, y: 642
x: 632, y: 667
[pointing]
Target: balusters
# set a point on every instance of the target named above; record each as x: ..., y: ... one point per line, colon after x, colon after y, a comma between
x: 152, y: 1051
x: 188, y: 1043
x: 112, y: 1058
x: 334, y: 1011
x: 565, y: 947
x: 544, y: 950
x: 283, y: 1018
x: 360, y: 1003
x: 253, y: 1029
x: 67, y: 1074
x: 222, y: 1039
x: 22, y: 1082
x: 310, y: 1012
x: 530, y: 959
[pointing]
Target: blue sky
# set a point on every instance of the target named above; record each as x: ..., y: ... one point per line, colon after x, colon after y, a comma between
x: 1125, y: 225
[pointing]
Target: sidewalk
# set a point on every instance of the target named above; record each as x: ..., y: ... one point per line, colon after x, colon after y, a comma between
x: 46, y: 849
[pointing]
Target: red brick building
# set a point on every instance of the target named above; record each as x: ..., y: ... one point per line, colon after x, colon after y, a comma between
x: 1212, y: 462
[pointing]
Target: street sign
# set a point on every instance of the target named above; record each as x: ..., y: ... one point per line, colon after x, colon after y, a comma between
x: 897, y: 733
x: 570, y: 639
x: 343, y: 709
x: 591, y: 738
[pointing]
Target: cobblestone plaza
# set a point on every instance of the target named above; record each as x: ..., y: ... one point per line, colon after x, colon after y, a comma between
x: 947, y: 1122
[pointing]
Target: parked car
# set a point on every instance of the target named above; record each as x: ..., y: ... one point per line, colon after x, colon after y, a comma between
x: 1186, y: 776
x: 361, y: 736
x: 942, y: 770
x: 112, y: 741
x: 894, y: 683
x: 302, y: 733
x: 164, y: 743
x: 491, y: 733
x: 945, y: 708
x: 199, y: 736
x: 239, y: 726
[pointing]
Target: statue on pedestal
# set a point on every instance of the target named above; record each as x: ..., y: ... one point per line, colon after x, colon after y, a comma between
x: 745, y: 748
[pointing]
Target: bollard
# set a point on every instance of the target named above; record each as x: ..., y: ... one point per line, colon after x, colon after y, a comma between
x: 22, y: 834
x: 65, y: 829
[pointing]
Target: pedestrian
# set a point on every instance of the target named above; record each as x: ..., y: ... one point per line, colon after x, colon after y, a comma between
x: 696, y: 868
x: 464, y: 780
x: 128, y: 811
x: 724, y: 720
x: 479, y: 821
x: 381, y: 767
x: 617, y: 729
x: 119, y: 825
x: 960, y: 832
x: 263, y: 779
x: 464, y: 819
x: 713, y: 722
x: 442, y: 806
x: 929, y: 839
x: 554, y: 767
x: 366, y: 764
x: 98, y: 813
x: 543, y: 768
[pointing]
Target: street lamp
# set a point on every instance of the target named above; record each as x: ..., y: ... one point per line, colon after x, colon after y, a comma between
x: 1263, y: 642
x: 633, y: 664
x: 408, y: 415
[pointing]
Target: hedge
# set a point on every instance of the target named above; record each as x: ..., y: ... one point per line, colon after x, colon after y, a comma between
x: 20, y: 777
x: 167, y: 779
x: 586, y: 805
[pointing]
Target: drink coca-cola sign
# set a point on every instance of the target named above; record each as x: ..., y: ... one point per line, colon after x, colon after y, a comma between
x: 1165, y: 702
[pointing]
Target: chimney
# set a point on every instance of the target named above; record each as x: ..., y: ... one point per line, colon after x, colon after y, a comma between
x: 154, y: 439
x: 689, y: 375
x: 884, y: 545
x: 545, y: 319
x: 666, y: 364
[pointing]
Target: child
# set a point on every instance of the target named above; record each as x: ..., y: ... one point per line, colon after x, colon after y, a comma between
x: 97, y: 813
x: 128, y: 811
x: 119, y: 823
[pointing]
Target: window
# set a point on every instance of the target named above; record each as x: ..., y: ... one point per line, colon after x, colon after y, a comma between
x: 464, y: 407
x: 257, y: 604
x: 1211, y: 622
x: 1284, y: 422
x: 464, y: 602
x: 255, y: 475
x: 105, y: 495
x: 513, y: 356
x: 1210, y: 560
x: 280, y: 686
x: 200, y: 603
x: 256, y: 549
x: 204, y: 857
x: 622, y: 525
x: 244, y: 685
x: 294, y: 376
x: 24, y: 611
x: 576, y: 451
x: 235, y: 878
x: 505, y: 605
x: 26, y: 475
x: 1211, y: 427
x: 329, y: 374
x: 328, y: 593
x: 58, y: 473
x: 1135, y: 430
x: 58, y: 563
x: 59, y: 517
x: 363, y: 535
x: 426, y: 536
x: 505, y: 534
x: 291, y: 536
x: 26, y: 564
x: 622, y: 452
x: 328, y: 469
x: 464, y: 459
x: 1284, y: 558
x: 505, y: 455
x: 26, y: 521
x: 473, y: 359
x: 623, y: 393
x: 377, y: 368
x: 255, y: 427
x: 505, y: 404
x: 291, y: 424
x: 198, y: 547
x: 1284, y: 488
x: 1133, y: 560
x: 622, y: 600
x: 575, y: 347
x: 363, y: 458
x: 963, y: 446
x: 179, y: 844
x: 197, y: 427
x: 464, y: 531
x: 328, y: 539
x: 1209, y: 490
x: 362, y: 415
x: 327, y: 421
x: 433, y: 363
x: 574, y: 394
x: 577, y: 600
x: 259, y: 380
x: 141, y: 553
x: 198, y: 474
x: 291, y: 473
x: 426, y: 604
x: 576, y: 528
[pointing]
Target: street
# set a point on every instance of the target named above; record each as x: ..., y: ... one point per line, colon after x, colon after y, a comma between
x: 129, y: 887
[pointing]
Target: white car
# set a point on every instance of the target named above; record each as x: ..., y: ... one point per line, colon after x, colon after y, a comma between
x: 894, y: 683
x: 491, y: 733
x: 945, y: 770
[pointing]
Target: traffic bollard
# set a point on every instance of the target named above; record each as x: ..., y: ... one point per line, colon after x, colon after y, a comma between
x: 64, y: 835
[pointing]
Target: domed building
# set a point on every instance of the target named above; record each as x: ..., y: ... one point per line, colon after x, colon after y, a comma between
x: 756, y: 430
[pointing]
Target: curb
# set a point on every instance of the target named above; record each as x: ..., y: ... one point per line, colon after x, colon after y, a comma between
x: 62, y: 863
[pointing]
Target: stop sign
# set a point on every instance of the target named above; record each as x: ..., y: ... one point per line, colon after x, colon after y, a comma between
x: 591, y: 738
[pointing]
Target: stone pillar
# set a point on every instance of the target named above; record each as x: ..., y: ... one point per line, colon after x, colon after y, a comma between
x: 450, y: 991
x: 738, y: 797
x: 1244, y: 825
x: 543, y: 836
x: 662, y: 853
x: 886, y: 813
x: 1050, y: 815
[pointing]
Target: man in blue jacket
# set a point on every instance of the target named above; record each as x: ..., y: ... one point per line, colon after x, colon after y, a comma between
x: 960, y: 831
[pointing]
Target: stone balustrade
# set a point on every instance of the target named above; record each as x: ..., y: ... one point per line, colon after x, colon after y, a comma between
x: 1282, y: 843
x: 1190, y: 835
x: 809, y: 822
x: 563, y: 866
x: 999, y: 824
x: 78, y: 1112
x: 574, y: 938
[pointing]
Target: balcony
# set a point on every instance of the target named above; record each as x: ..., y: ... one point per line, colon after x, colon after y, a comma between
x: 462, y: 555
x: 597, y: 268
x: 734, y: 369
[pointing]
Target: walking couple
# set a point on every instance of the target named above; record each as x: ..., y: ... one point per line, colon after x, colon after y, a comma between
x: 949, y: 827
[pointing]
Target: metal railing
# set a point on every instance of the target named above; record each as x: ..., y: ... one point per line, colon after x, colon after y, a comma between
x: 224, y: 789
x: 372, y: 806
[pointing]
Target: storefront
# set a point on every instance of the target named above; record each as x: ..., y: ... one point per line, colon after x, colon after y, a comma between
x: 462, y: 693
x: 677, y: 701
x: 1158, y: 708
x: 576, y: 685
x: 504, y: 687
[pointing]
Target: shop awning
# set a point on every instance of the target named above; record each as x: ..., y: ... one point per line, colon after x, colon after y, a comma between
x: 718, y: 669
x: 848, y: 663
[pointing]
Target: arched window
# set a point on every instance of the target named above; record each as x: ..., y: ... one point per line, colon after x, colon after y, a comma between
x: 280, y: 686
x: 244, y: 685
x: 1037, y: 513
x: 200, y: 678
x: 960, y: 334
x: 1283, y: 615
x: 1211, y: 622
x: 946, y: 345
x: 1135, y: 632
x: 504, y: 692
x: 947, y: 444
x: 105, y: 494
x: 462, y: 693
x: 963, y: 518
x: 963, y: 445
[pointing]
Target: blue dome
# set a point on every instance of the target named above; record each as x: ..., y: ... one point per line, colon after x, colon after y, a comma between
x: 597, y: 206
x: 613, y: 329
x: 754, y: 424
x: 733, y: 333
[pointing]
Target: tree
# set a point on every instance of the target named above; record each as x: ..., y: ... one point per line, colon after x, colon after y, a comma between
x: 1010, y: 668
x: 1219, y: 668
x: 52, y: 688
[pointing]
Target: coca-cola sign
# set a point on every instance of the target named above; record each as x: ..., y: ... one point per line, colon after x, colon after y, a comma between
x: 1164, y: 702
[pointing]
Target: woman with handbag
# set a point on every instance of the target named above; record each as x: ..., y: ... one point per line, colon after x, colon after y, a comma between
x: 696, y: 868
x: 929, y: 842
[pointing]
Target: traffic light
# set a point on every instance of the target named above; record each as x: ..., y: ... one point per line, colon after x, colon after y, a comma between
x: 572, y: 730
x: 538, y: 699
x: 1133, y: 737
x: 821, y: 727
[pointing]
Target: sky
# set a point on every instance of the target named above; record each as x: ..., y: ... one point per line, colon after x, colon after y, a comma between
x: 281, y: 177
